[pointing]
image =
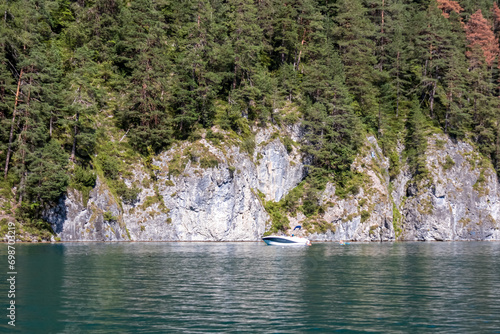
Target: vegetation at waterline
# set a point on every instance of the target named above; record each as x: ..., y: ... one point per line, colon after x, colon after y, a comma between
x: 88, y: 86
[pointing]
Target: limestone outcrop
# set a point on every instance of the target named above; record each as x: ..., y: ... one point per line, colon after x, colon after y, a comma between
x: 458, y: 200
x: 198, y: 192
x: 202, y: 191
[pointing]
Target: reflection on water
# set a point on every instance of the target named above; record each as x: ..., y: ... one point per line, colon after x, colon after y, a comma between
x: 250, y: 287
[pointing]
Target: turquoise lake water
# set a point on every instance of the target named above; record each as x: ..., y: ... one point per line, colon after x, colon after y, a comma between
x: 254, y: 288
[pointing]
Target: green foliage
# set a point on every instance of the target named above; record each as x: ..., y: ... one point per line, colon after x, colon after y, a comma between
x: 248, y: 145
x: 231, y: 169
x: 47, y: 179
x: 478, y: 185
x: 28, y: 217
x: 292, y: 200
x: 127, y: 194
x: 209, y: 162
x: 440, y: 143
x: 214, y: 137
x: 364, y: 216
x: 157, y: 198
x: 332, y: 139
x: 396, y: 220
x: 83, y: 177
x: 350, y: 185
x: 279, y: 219
x: 109, y: 165
x: 99, y: 82
x: 108, y: 216
x: 394, y: 164
x: 4, y: 227
x: 83, y: 180
x: 288, y: 143
x: 310, y: 201
x: 417, y: 142
x: 448, y: 163
x: 177, y: 164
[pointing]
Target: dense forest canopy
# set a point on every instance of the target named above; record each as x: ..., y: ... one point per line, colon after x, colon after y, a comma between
x: 78, y: 76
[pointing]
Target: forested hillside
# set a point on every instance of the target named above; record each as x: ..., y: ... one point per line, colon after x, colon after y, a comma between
x: 86, y: 87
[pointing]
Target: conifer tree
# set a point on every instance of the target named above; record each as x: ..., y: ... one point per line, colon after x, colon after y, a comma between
x: 433, y: 45
x: 47, y: 179
x: 417, y: 140
x: 354, y: 33
x: 143, y: 53
x: 247, y: 46
x: 480, y: 34
x: 482, y: 51
x: 286, y: 31
x: 448, y: 6
x: 195, y: 83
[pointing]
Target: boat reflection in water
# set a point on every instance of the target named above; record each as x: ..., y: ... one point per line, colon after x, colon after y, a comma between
x: 282, y: 240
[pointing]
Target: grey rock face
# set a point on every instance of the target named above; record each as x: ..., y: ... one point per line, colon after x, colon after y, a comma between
x: 459, y: 201
x: 71, y: 220
x: 192, y: 200
x: 217, y: 203
x: 366, y: 214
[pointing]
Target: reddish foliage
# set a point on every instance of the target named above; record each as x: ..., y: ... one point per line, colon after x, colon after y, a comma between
x: 496, y: 15
x: 448, y: 6
x: 480, y: 35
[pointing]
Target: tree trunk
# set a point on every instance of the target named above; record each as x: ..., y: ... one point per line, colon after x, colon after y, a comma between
x: 379, y: 121
x: 235, y: 71
x: 300, y: 52
x: 75, y: 128
x: 23, y: 155
x: 497, y: 148
x: 22, y: 140
x: 11, y: 135
x: 50, y: 125
x: 432, y: 99
x: 397, y: 84
x: 382, y: 39
x: 382, y: 25
x: 75, y: 131
x: 447, y: 116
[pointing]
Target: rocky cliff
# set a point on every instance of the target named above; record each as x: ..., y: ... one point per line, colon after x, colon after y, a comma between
x: 198, y: 191
x: 458, y: 198
x: 202, y: 191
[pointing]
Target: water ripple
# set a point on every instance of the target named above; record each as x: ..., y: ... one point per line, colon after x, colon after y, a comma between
x: 250, y: 287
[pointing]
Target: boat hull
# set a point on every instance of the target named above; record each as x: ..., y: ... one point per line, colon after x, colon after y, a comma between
x: 286, y: 241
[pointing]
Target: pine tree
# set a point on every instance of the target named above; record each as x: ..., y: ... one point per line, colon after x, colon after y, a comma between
x: 482, y: 51
x: 457, y: 119
x: 354, y: 33
x: 433, y: 44
x: 143, y: 54
x: 247, y: 47
x: 480, y: 34
x: 448, y: 6
x: 417, y: 140
x: 47, y: 179
x: 286, y: 30
x: 496, y: 19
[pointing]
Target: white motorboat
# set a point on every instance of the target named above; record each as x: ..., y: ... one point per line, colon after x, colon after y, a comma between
x: 278, y: 240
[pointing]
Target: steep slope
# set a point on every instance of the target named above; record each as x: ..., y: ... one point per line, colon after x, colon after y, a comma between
x: 458, y: 201
x: 202, y: 191
x: 199, y: 191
